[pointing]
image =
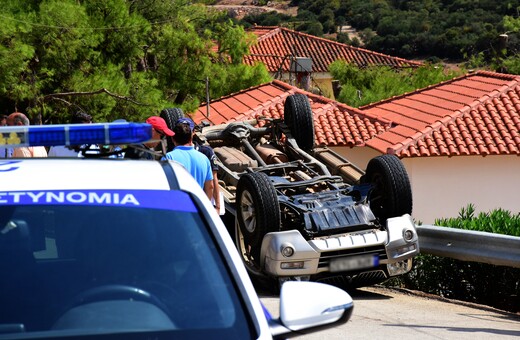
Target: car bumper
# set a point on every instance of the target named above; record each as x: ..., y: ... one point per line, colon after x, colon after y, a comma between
x: 287, y: 253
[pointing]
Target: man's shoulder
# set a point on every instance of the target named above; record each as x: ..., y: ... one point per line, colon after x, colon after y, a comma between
x: 200, y: 156
x: 181, y: 152
x: 205, y: 149
x: 207, y: 152
x: 171, y: 154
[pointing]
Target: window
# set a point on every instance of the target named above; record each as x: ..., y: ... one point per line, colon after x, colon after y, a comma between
x: 59, y: 252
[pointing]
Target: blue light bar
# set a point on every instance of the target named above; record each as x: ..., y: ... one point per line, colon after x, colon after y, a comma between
x: 75, y: 134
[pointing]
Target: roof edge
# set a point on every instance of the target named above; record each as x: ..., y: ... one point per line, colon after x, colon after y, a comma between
x: 511, y: 77
x: 279, y: 29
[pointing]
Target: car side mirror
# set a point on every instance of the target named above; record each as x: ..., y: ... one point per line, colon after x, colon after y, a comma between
x: 307, y: 307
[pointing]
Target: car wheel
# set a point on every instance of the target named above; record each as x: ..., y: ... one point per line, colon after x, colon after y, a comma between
x: 391, y: 193
x: 171, y: 116
x: 261, y: 281
x: 298, y: 117
x: 258, y: 211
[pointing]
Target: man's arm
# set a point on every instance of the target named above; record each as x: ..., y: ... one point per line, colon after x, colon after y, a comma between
x: 216, y: 192
x: 208, y: 188
x: 22, y: 152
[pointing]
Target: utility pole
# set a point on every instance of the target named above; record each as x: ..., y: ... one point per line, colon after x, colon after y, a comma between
x: 207, y: 97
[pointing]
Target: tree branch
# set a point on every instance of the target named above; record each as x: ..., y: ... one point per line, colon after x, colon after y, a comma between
x: 91, y: 93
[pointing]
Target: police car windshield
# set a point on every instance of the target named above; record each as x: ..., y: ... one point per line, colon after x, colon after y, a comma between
x: 79, y: 262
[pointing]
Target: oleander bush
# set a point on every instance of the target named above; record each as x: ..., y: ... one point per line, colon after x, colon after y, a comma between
x: 498, y: 221
x: 481, y: 283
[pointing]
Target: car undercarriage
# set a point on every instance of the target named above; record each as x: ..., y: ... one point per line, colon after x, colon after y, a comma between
x: 298, y: 211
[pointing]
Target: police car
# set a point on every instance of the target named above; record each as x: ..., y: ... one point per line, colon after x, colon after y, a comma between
x: 128, y: 249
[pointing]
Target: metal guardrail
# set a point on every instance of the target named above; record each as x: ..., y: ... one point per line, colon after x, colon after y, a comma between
x: 467, y: 245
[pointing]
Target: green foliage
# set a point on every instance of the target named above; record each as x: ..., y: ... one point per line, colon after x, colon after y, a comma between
x: 234, y: 42
x: 15, y: 56
x: 476, y: 61
x: 361, y: 86
x: 343, y: 38
x: 481, y: 283
x: 182, y: 62
x: 498, y: 221
x: 117, y: 59
x: 511, y: 23
x: 312, y: 28
x: 456, y: 30
x: 121, y: 42
x: 272, y: 18
x: 444, y: 29
x: 236, y: 78
x: 511, y: 65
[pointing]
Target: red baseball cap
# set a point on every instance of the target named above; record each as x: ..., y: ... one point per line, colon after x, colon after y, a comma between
x: 159, y: 124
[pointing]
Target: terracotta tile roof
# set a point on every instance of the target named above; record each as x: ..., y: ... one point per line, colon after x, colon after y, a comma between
x: 276, y: 43
x: 335, y: 123
x: 476, y: 114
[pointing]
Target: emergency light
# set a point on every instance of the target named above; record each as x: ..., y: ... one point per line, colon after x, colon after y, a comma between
x: 75, y: 134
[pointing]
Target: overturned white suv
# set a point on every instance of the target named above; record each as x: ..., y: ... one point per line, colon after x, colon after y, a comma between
x: 300, y: 212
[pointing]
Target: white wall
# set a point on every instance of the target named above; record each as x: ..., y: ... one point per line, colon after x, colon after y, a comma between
x: 360, y: 156
x: 442, y: 186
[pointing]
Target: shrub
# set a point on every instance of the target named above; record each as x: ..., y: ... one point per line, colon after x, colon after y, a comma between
x: 498, y: 221
x: 481, y: 283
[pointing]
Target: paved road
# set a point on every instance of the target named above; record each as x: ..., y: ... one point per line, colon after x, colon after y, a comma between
x: 381, y: 313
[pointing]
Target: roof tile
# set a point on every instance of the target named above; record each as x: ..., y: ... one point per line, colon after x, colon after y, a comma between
x: 476, y: 114
x: 448, y: 119
x: 335, y: 123
x: 275, y: 45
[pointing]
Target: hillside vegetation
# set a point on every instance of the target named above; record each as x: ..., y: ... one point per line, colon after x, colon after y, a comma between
x: 129, y: 59
x: 118, y: 59
x: 481, y: 33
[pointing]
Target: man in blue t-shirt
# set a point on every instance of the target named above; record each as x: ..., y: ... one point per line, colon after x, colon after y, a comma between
x: 195, y: 162
x: 208, y: 152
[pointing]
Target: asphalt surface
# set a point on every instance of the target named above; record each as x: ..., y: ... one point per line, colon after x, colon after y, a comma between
x: 382, y: 313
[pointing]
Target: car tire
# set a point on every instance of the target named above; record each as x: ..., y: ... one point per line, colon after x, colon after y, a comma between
x: 299, y: 119
x: 257, y: 209
x: 391, y: 193
x: 171, y: 116
x: 260, y: 279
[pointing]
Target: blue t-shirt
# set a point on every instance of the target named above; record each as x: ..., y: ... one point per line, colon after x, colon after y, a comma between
x: 195, y: 162
x: 6, y: 152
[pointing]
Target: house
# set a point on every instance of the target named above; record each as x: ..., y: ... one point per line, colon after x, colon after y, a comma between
x: 459, y: 140
x: 303, y: 60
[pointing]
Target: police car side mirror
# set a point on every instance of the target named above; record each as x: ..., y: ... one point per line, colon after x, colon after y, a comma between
x: 307, y: 307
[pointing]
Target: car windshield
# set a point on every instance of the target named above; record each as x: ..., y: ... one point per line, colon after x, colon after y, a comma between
x: 119, y: 262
